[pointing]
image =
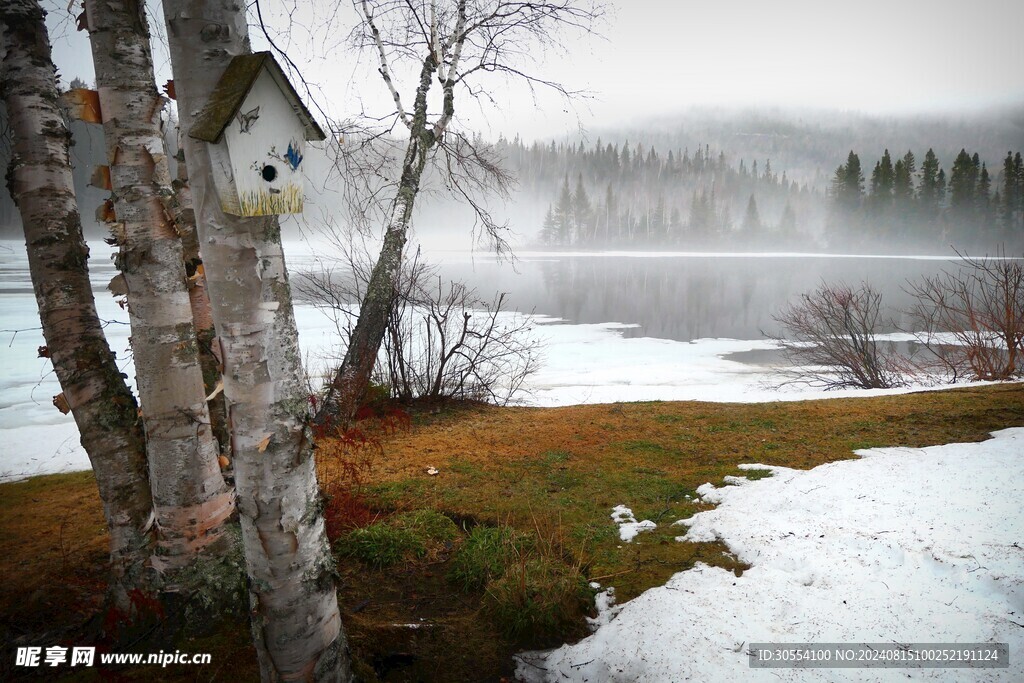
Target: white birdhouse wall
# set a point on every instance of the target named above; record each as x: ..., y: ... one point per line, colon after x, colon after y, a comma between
x: 264, y: 148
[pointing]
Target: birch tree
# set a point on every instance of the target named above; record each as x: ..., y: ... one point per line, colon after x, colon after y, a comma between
x: 296, y: 623
x: 93, y: 387
x: 190, y: 498
x: 199, y: 297
x: 446, y: 47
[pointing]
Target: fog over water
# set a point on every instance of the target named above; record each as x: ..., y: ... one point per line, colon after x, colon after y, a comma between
x: 673, y: 296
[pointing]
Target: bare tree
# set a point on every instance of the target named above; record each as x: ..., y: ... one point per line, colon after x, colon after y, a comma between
x: 442, y: 340
x: 831, y: 341
x: 191, y: 500
x: 93, y: 387
x: 294, y: 612
x: 450, y: 45
x: 972, y: 320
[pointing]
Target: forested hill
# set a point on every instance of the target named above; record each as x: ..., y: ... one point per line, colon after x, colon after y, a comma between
x: 639, y: 194
x: 809, y: 144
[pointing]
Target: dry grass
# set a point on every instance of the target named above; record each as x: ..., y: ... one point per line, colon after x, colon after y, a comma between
x: 552, y: 472
x: 54, y: 539
x: 574, y: 464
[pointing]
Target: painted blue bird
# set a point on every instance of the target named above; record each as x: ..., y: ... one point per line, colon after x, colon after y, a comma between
x: 292, y: 156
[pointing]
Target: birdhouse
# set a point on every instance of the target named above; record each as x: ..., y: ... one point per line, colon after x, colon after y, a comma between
x: 257, y: 127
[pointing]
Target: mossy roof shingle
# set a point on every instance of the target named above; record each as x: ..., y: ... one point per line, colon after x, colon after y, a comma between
x: 231, y: 90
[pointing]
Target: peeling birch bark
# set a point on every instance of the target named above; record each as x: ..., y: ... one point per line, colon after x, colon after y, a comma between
x: 104, y: 409
x: 296, y: 623
x: 189, y: 495
x: 180, y: 206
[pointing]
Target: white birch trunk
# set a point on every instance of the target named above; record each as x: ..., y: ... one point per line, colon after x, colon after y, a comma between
x: 296, y: 623
x: 199, y: 296
x: 190, y: 499
x: 353, y: 377
x: 179, y: 205
x: 103, y: 407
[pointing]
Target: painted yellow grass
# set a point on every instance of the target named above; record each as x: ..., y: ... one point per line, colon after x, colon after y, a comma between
x: 288, y: 200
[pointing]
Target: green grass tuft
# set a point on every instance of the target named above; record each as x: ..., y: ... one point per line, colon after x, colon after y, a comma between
x: 539, y: 599
x: 381, y: 545
x: 405, y: 537
x: 427, y: 525
x: 483, y: 556
x: 754, y: 475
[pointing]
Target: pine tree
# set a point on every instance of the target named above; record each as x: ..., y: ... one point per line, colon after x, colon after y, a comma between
x: 787, y: 222
x: 700, y: 222
x: 563, y: 215
x: 610, y: 214
x: 751, y: 219
x: 910, y: 162
x: 675, y: 224
x: 963, y: 180
x: 903, y: 180
x: 929, y: 192
x: 1018, y: 172
x: 837, y: 185
x: 1010, y: 189
x: 983, y: 193
x: 882, y: 183
x: 549, y: 230
x: 659, y: 224
x: 853, y: 189
x: 903, y: 186
x: 581, y: 212
x: 848, y: 184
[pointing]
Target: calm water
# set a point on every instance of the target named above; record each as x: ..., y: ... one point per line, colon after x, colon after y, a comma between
x: 680, y: 296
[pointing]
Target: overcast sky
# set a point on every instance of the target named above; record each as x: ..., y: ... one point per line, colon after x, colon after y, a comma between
x: 655, y: 57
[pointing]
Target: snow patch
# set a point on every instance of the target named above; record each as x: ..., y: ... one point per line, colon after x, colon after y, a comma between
x: 628, y: 526
x: 607, y: 610
x: 903, y: 545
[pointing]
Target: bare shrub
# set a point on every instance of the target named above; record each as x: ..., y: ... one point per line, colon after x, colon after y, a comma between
x: 442, y: 339
x: 831, y: 340
x: 972, y: 320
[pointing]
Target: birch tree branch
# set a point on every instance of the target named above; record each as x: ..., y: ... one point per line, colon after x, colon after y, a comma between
x: 384, y: 70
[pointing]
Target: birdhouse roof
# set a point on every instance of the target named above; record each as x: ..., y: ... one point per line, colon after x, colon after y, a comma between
x: 233, y: 87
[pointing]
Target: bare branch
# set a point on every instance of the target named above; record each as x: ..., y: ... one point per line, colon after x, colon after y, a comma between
x: 831, y: 341
x: 972, y: 321
x: 384, y: 70
x: 493, y: 34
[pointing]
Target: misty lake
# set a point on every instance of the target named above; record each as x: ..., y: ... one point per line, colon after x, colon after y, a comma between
x: 614, y: 326
x: 677, y: 296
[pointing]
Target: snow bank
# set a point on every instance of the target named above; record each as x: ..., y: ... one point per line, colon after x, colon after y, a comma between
x: 904, y: 545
